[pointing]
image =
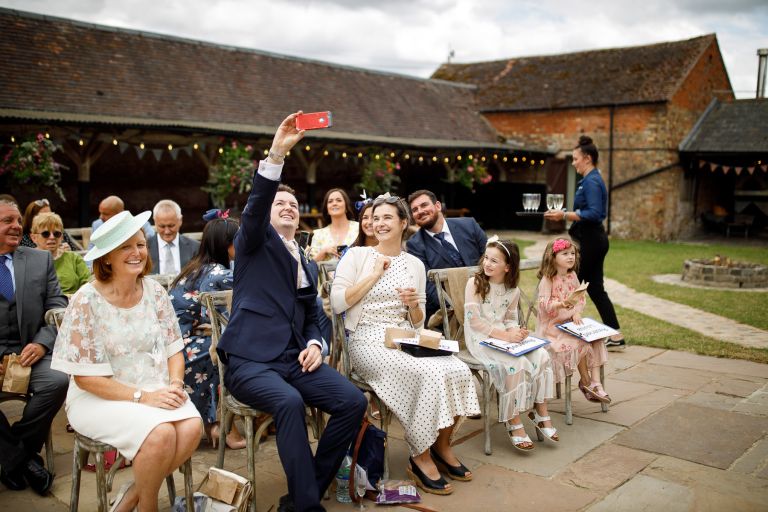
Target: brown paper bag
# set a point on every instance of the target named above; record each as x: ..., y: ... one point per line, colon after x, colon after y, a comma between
x: 15, y: 376
x: 392, y: 333
x: 576, y: 295
x: 227, y: 487
x: 429, y: 339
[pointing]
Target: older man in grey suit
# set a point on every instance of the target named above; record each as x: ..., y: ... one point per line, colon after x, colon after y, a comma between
x: 169, y: 250
x: 28, y: 288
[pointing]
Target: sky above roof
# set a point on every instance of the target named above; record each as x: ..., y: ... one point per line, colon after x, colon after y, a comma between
x: 414, y: 37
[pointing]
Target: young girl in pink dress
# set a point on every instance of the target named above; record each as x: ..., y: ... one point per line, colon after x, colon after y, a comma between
x: 558, y: 280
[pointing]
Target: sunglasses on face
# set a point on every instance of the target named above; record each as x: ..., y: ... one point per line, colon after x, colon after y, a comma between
x: 47, y: 234
x: 42, y: 202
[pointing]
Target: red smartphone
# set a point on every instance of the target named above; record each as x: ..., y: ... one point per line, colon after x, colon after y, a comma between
x: 314, y: 121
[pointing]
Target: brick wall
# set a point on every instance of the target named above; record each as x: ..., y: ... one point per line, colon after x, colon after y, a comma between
x: 646, y: 137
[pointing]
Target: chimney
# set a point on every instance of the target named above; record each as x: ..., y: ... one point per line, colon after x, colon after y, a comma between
x: 762, y: 66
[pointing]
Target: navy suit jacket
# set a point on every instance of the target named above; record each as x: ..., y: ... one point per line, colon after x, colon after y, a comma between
x: 470, y: 240
x: 187, y: 249
x: 268, y: 312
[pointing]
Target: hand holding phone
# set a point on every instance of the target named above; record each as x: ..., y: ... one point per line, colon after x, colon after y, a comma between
x: 314, y: 121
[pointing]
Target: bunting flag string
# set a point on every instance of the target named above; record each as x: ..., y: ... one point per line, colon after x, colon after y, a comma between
x: 713, y: 167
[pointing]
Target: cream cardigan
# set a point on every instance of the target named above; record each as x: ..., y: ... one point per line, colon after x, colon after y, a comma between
x: 358, y: 262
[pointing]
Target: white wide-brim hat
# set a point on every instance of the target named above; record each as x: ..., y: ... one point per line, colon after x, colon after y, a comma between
x: 114, y: 232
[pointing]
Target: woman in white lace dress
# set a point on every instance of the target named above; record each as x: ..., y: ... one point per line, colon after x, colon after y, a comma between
x: 120, y: 341
x: 375, y: 285
x: 490, y: 311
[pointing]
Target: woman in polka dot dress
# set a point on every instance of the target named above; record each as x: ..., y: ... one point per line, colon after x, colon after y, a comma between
x: 375, y: 285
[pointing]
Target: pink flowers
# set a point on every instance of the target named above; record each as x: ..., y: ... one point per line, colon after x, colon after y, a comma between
x: 559, y: 245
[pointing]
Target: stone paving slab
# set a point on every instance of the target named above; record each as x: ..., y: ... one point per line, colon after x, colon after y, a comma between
x: 756, y: 403
x: 647, y: 493
x: 606, y: 467
x: 754, y: 461
x: 712, y: 364
x: 733, y: 385
x: 713, y: 489
x: 679, y: 378
x: 698, y: 434
x: 547, y: 458
x: 632, y: 402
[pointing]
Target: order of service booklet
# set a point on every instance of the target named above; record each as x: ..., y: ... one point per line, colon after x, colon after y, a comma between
x: 515, y: 349
x: 589, y: 331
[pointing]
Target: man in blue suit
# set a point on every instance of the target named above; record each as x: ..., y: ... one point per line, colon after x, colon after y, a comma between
x: 441, y: 242
x: 272, y: 340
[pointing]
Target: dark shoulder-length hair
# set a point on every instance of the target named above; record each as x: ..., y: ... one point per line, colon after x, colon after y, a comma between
x: 361, y: 236
x: 347, y: 205
x: 218, y: 235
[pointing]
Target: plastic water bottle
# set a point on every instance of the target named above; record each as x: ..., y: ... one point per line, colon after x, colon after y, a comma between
x: 342, y: 481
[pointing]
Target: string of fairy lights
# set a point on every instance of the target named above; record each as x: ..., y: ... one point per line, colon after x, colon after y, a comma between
x: 422, y: 157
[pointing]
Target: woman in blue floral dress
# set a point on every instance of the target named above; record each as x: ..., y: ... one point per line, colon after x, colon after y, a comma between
x: 208, y: 271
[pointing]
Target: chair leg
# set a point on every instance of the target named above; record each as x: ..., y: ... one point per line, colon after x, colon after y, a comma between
x: 558, y: 393
x: 568, y: 402
x: 79, y: 459
x: 49, y: 452
x: 603, y: 406
x: 101, y: 483
x: 225, y: 424
x: 171, y: 488
x: 385, y: 417
x: 487, y: 399
x: 250, y: 441
x: 189, y: 485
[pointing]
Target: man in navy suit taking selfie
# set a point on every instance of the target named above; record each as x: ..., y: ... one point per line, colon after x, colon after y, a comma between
x: 272, y: 340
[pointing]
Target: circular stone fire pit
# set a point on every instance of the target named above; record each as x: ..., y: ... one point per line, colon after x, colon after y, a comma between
x: 725, y: 273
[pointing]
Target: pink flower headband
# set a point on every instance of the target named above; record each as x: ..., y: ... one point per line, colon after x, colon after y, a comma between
x: 559, y: 245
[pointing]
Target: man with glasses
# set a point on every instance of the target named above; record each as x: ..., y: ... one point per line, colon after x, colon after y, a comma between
x: 28, y: 288
x: 169, y: 250
x: 441, y: 242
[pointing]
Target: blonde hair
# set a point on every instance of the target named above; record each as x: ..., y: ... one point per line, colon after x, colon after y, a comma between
x: 548, y: 267
x: 46, y: 220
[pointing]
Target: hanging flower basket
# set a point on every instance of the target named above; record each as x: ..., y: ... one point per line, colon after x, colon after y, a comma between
x: 379, y: 176
x: 30, y: 165
x: 469, y: 173
x: 233, y: 172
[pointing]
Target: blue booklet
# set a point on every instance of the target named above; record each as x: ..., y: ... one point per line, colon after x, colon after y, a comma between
x: 529, y: 344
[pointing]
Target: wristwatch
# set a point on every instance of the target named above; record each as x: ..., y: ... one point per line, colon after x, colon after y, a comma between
x: 136, y: 396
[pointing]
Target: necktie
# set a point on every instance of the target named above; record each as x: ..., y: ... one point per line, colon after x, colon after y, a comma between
x: 294, y: 250
x: 6, y: 280
x: 169, y: 263
x: 450, y: 250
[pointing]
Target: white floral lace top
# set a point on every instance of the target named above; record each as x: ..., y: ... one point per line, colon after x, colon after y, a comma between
x: 131, y: 344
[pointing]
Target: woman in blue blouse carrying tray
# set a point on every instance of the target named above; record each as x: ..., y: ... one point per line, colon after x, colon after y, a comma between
x: 590, y: 206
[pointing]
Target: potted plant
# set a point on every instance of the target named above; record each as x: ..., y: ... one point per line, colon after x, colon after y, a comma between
x: 232, y: 172
x: 30, y: 165
x: 379, y: 176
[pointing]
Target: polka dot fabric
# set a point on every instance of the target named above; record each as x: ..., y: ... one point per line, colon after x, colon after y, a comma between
x: 424, y: 393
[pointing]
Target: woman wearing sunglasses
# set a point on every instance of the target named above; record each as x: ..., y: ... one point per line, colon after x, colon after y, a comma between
x: 47, y: 232
x: 30, y: 212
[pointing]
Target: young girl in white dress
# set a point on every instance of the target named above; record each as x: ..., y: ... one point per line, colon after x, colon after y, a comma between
x: 375, y: 286
x: 558, y: 280
x: 490, y: 311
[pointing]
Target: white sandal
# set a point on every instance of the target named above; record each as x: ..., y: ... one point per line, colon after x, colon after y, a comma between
x: 517, y: 441
x: 542, y: 431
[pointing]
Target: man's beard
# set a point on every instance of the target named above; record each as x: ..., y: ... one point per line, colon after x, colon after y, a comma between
x: 429, y: 223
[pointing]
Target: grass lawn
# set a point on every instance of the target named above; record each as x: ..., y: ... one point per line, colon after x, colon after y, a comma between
x: 641, y: 329
x: 634, y: 262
